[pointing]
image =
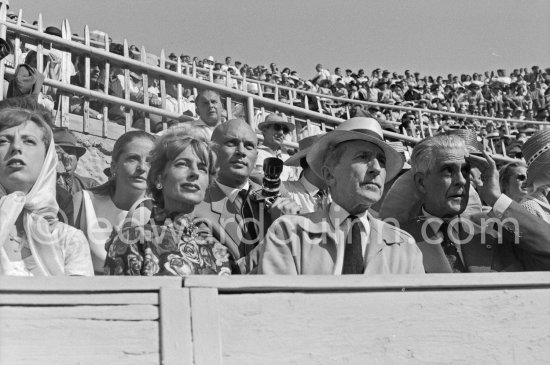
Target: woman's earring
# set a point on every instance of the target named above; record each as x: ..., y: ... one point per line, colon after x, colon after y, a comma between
x: 159, y: 186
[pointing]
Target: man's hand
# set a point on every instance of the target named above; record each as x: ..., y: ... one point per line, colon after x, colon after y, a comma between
x: 282, y: 206
x: 490, y: 191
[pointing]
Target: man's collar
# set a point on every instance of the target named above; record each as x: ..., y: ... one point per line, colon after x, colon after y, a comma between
x: 230, y: 192
x: 310, y: 188
x: 338, y: 215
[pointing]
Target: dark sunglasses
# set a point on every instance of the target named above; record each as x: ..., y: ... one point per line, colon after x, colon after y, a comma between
x: 279, y: 127
x: 521, y: 177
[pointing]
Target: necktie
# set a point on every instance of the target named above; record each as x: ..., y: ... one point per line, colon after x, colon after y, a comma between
x: 250, y: 232
x: 450, y: 250
x: 319, y: 198
x: 353, y: 253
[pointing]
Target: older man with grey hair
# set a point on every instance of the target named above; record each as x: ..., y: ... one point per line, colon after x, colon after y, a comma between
x: 354, y: 162
x: 451, y: 243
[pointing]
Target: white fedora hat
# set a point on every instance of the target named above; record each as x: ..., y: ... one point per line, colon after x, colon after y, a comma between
x: 355, y: 129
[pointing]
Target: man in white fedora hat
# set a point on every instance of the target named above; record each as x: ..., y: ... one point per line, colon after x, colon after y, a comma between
x: 355, y: 162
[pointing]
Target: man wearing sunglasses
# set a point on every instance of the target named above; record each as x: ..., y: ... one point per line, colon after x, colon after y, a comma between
x: 275, y: 130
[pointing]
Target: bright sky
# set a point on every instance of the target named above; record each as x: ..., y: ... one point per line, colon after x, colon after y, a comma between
x: 434, y: 37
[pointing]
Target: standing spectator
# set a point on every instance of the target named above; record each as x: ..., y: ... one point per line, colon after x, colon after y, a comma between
x: 321, y: 74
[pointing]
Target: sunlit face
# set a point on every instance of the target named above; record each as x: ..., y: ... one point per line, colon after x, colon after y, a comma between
x: 446, y: 185
x: 237, y: 154
x: 210, y: 108
x: 67, y: 157
x: 185, y: 179
x: 22, y: 153
x: 132, y: 165
x: 516, y: 187
x: 357, y: 181
x: 274, y: 134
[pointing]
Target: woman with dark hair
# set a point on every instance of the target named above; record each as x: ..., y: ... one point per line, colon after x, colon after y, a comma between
x: 100, y: 211
x: 163, y: 236
x: 32, y: 240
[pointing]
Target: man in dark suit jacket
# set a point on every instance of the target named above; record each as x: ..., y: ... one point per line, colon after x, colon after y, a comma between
x: 441, y: 166
x: 237, y: 217
x: 69, y: 152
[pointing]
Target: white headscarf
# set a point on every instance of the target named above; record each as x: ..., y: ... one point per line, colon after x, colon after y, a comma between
x: 39, y: 209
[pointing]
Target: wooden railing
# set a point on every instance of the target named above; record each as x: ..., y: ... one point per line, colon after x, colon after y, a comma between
x: 487, y: 318
x: 254, y: 107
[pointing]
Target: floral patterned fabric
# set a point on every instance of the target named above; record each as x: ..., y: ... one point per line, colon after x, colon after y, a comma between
x: 166, y: 245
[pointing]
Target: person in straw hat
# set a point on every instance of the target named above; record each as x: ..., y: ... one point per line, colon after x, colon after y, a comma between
x: 309, y: 190
x: 537, y: 154
x: 69, y: 153
x: 354, y: 162
x: 275, y: 129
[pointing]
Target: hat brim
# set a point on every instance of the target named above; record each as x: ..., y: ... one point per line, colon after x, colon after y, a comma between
x: 294, y: 160
x: 262, y: 125
x: 79, y: 150
x: 316, y: 155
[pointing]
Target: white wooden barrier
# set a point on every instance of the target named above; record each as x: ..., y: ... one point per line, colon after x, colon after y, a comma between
x: 499, y: 318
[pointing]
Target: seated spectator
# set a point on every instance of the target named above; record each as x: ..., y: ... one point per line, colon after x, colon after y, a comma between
x: 537, y: 154
x: 97, y: 68
x: 101, y: 210
x: 309, y: 191
x: 68, y: 153
x: 275, y: 130
x: 441, y: 168
x: 209, y: 108
x: 181, y: 169
x: 344, y: 238
x: 512, y: 179
x: 32, y: 241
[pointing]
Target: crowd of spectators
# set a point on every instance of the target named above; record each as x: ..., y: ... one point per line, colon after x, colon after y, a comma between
x: 348, y: 202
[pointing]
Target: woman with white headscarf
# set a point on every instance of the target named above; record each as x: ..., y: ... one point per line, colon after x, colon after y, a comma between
x: 32, y: 241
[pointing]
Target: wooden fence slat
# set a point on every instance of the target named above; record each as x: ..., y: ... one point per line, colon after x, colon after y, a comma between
x: 145, y: 82
x: 64, y: 100
x: 3, y: 30
x: 129, y: 114
x: 86, y: 101
x: 176, y: 339
x: 107, y: 80
x: 207, y: 347
x: 119, y: 284
x: 260, y: 283
x: 40, y: 46
x: 40, y: 299
x: 162, y: 85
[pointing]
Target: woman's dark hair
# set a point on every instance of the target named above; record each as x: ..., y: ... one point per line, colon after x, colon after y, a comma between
x: 18, y: 110
x: 108, y: 188
x: 168, y: 147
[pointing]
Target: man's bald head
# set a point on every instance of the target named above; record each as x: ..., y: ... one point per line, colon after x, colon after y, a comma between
x: 233, y: 125
x: 236, y: 147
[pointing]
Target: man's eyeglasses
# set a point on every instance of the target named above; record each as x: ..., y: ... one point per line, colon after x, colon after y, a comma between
x: 521, y: 177
x: 280, y: 127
